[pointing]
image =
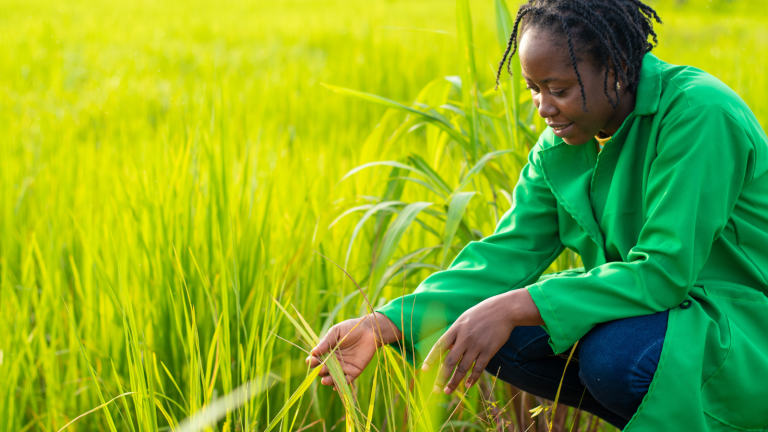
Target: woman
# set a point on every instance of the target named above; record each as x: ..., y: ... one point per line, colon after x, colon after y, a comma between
x: 656, y: 175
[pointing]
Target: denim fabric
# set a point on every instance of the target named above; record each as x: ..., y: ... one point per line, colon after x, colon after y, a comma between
x: 615, y: 361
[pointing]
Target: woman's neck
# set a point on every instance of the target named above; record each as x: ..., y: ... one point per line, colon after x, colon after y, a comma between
x: 626, y: 106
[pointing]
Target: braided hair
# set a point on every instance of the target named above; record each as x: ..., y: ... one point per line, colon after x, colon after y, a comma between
x: 612, y: 32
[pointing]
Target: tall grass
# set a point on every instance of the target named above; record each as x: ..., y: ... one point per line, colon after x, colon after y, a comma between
x: 168, y: 170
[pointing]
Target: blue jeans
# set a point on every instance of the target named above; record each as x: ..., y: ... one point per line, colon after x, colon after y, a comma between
x: 615, y: 362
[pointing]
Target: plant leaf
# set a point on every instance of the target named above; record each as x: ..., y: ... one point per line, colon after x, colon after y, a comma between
x: 349, y: 211
x: 391, y: 270
x: 387, y: 205
x: 392, y: 238
x: 293, y: 399
x: 468, y: 72
x: 392, y: 104
x: 456, y: 209
x: 380, y: 163
x: 373, y: 398
x: 238, y: 397
x: 420, y: 163
x: 504, y: 23
x: 478, y: 166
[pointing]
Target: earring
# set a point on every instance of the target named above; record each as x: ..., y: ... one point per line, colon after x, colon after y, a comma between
x: 618, y: 86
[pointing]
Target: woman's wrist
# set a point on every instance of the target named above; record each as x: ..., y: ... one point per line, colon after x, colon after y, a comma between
x: 384, y: 330
x: 522, y: 309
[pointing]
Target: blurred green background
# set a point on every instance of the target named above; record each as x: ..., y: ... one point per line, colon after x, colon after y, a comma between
x: 167, y: 166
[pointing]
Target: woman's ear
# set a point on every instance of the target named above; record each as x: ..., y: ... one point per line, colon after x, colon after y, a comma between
x: 612, y: 79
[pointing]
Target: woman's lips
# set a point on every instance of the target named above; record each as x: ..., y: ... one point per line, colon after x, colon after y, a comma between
x: 563, y: 130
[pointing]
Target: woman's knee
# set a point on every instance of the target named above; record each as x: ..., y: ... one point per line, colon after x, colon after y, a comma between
x: 606, y: 374
x: 617, y: 360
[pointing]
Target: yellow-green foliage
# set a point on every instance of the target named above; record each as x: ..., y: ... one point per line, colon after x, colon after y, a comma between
x: 168, y: 167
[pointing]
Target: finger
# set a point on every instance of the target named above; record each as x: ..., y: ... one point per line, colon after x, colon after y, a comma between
x: 477, y: 370
x: 348, y: 378
x: 313, y: 361
x: 329, y: 381
x: 446, y: 369
x: 465, y: 365
x: 442, y: 345
x: 324, y: 371
x: 326, y: 343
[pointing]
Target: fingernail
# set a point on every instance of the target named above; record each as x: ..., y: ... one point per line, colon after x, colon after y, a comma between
x: 468, y: 384
x: 447, y: 391
x: 425, y: 368
x: 436, y: 390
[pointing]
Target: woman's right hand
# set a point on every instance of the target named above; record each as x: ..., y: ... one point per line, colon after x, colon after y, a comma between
x: 358, y: 347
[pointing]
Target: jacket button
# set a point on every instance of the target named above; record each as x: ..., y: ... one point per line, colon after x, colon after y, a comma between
x: 686, y: 304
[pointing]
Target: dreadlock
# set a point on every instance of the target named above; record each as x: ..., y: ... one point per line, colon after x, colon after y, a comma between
x: 613, y: 32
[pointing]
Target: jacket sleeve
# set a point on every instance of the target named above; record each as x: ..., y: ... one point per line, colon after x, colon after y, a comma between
x: 524, y: 244
x: 701, y: 165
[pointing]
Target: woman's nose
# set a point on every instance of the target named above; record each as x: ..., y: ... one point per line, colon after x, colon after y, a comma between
x: 545, y: 107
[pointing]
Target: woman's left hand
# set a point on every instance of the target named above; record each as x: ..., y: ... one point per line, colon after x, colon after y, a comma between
x: 477, y: 335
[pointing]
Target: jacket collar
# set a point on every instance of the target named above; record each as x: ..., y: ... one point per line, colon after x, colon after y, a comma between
x: 568, y: 170
x: 649, y: 88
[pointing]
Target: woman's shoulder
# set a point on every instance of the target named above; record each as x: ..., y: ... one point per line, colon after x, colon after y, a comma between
x: 699, y: 104
x: 685, y: 87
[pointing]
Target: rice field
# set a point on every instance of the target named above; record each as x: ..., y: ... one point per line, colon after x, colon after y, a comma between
x: 181, y: 183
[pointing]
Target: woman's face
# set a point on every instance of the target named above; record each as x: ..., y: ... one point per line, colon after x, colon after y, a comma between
x: 548, y: 72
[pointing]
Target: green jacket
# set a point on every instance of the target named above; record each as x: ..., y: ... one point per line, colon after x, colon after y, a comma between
x: 671, y: 214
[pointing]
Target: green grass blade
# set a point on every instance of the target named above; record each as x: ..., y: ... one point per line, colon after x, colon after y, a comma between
x: 348, y: 212
x: 423, y: 184
x: 458, y: 204
x: 104, y: 405
x: 478, y: 167
x: 392, y: 238
x: 504, y: 27
x: 468, y: 73
x: 447, y: 127
x: 504, y: 23
x: 384, y: 206
x: 238, y: 397
x: 433, y: 176
x: 91, y: 372
x: 419, y: 254
x: 299, y: 327
x: 371, y: 404
x: 382, y: 163
x: 405, y: 269
x: 307, y: 327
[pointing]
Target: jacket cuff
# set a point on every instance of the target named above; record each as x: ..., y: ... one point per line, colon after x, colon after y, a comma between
x: 557, y: 338
x: 414, y: 351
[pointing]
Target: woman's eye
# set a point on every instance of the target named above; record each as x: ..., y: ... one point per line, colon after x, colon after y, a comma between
x: 556, y: 94
x: 534, y: 89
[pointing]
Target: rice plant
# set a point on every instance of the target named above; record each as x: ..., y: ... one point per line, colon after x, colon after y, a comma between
x: 178, y: 181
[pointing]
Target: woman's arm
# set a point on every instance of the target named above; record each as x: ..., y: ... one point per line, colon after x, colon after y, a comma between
x: 524, y: 244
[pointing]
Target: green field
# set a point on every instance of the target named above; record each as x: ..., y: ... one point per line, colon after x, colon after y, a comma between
x: 168, y: 168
